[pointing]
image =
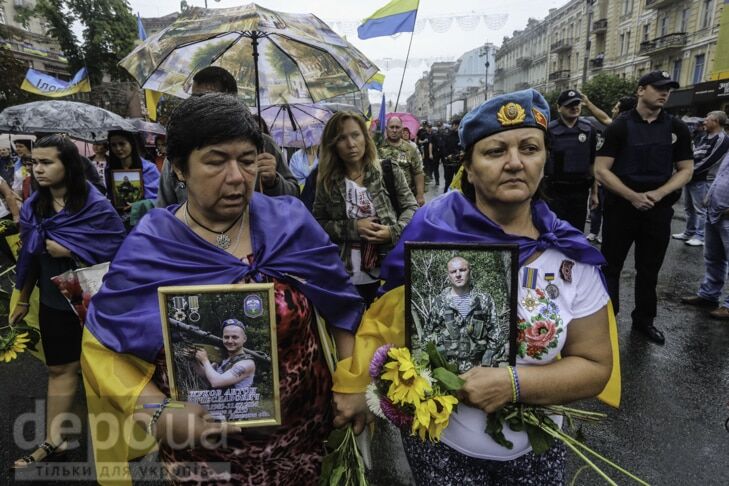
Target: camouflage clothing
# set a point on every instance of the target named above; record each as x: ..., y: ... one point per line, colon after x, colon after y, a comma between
x: 405, y: 156
x: 476, y: 339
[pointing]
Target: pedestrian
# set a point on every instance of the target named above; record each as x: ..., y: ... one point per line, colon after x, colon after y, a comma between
x: 352, y: 203
x: 505, y: 139
x: 64, y: 224
x: 568, y: 174
x: 645, y: 160
x: 100, y: 157
x: 708, y: 154
x: 303, y: 162
x: 425, y: 144
x: 405, y: 156
x: 213, y: 142
x: 274, y: 174
x: 451, y: 153
x: 716, y: 247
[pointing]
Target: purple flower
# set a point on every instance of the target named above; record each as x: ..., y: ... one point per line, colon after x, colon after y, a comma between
x: 379, y: 360
x: 395, y: 414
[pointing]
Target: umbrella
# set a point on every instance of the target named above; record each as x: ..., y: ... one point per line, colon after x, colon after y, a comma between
x: 148, y: 127
x: 277, y: 58
x: 408, y: 121
x: 298, y: 125
x: 80, y: 120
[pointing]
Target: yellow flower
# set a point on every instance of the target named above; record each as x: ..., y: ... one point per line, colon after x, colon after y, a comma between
x: 432, y: 416
x: 14, y: 346
x: 408, y: 386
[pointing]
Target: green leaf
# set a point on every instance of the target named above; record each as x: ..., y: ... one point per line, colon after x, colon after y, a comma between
x: 538, y: 439
x: 335, y: 439
x: 436, y: 359
x: 450, y: 381
x: 336, y: 476
x: 495, y: 428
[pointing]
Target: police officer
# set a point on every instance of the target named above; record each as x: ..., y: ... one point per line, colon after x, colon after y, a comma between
x: 645, y: 161
x: 569, y: 169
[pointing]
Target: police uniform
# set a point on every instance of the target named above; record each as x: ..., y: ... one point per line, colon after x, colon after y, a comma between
x: 645, y: 154
x: 568, y: 171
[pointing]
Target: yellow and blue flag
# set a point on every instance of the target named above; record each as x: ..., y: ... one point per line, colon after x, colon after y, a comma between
x: 396, y: 16
x: 44, y: 84
x: 375, y: 82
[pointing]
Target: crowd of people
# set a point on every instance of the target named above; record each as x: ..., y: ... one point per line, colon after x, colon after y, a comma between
x: 228, y: 211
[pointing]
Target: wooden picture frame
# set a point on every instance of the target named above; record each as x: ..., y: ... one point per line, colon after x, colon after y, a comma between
x: 127, y: 187
x: 241, y: 388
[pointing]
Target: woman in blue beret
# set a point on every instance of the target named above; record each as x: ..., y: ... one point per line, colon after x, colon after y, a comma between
x: 505, y: 141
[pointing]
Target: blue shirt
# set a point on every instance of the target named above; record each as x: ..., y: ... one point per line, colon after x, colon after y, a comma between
x: 718, y: 196
x: 299, y: 166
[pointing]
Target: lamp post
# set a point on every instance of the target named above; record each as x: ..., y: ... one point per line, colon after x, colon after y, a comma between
x: 451, y: 104
x: 484, y: 52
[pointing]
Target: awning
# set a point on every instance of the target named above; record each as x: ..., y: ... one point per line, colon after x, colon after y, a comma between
x: 711, y: 91
x: 680, y: 97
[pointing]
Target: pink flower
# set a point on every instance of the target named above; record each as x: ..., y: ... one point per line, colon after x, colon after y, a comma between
x: 379, y: 360
x: 541, y: 334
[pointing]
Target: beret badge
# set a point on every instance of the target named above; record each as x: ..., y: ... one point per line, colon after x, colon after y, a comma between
x: 539, y: 118
x: 511, y: 114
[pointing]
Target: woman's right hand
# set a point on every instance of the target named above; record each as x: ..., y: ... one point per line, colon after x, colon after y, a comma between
x: 18, y: 314
x: 192, y: 426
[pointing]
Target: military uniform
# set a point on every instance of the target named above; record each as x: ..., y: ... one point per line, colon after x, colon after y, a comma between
x: 405, y: 156
x: 470, y: 340
x: 568, y: 171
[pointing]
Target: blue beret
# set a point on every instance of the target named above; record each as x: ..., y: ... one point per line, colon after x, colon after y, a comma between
x: 520, y: 109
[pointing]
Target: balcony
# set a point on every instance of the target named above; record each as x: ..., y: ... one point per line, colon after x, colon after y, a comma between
x: 561, y: 75
x: 562, y: 45
x: 597, y: 63
x: 599, y: 26
x: 649, y: 4
x: 524, y: 62
x: 663, y: 45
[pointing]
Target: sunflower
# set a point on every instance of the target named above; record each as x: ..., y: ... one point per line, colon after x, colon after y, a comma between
x: 13, y: 344
x: 408, y: 385
x: 432, y: 416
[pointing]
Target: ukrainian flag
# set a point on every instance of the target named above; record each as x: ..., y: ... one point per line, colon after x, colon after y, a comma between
x: 375, y: 82
x: 396, y: 16
x: 44, y: 84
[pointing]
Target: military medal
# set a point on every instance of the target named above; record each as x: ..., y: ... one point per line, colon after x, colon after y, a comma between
x: 194, y: 308
x: 529, y: 302
x: 179, y: 304
x: 529, y: 278
x: 551, y: 290
x: 582, y: 137
x: 565, y: 270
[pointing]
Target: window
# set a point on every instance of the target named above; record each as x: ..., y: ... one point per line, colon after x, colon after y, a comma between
x: 646, y: 32
x: 627, y: 7
x: 622, y: 44
x: 627, y: 42
x: 676, y: 70
x: 707, y: 13
x: 699, y: 69
x: 2, y: 14
x: 683, y: 26
x: 664, y: 26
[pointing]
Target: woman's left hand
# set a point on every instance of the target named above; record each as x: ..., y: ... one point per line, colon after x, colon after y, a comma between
x: 57, y: 250
x: 487, y: 388
x: 351, y: 407
x: 377, y: 233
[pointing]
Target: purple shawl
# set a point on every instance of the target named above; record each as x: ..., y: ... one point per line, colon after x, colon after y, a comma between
x: 288, y: 245
x: 93, y: 234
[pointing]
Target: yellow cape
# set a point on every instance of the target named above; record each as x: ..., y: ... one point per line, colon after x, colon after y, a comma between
x: 384, y: 323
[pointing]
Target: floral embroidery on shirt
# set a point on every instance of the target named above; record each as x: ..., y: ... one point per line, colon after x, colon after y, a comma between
x: 540, y: 333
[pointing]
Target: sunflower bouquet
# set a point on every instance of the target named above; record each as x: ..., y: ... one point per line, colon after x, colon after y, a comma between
x: 415, y: 392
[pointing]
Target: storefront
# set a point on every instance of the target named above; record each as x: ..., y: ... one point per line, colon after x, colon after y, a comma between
x: 709, y: 96
x: 680, y: 102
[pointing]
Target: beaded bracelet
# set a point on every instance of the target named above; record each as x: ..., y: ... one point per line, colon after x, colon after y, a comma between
x: 23, y: 304
x: 516, y: 383
x: 156, y: 416
x: 513, y: 384
x: 171, y: 404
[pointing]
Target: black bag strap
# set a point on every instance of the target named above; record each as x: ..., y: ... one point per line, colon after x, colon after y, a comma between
x: 388, y: 176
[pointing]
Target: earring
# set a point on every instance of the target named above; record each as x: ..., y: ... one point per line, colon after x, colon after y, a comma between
x: 181, y: 185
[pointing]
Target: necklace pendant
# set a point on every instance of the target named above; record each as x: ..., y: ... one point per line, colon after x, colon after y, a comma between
x: 222, y: 241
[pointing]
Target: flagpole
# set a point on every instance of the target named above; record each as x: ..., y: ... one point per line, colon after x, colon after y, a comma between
x: 407, y: 56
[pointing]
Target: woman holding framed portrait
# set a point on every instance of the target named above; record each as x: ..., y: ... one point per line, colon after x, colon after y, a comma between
x: 353, y: 202
x: 65, y: 223
x: 562, y: 305
x: 224, y: 234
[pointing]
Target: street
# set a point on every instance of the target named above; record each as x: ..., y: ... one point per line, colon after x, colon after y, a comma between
x: 668, y: 431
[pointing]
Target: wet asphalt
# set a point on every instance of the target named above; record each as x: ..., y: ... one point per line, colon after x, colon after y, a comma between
x: 669, y: 429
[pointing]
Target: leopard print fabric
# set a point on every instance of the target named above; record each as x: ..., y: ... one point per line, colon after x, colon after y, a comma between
x: 286, y: 455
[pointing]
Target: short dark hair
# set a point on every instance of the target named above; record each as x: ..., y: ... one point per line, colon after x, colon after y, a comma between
x: 223, y: 81
x: 205, y: 120
x: 133, y: 139
x: 627, y: 103
x: 75, y: 179
x: 25, y: 142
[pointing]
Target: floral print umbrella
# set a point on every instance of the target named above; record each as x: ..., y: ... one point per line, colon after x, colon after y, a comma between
x: 277, y: 58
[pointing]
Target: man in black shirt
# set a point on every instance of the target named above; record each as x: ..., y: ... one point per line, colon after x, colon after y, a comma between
x: 451, y: 153
x: 645, y: 160
x: 568, y: 173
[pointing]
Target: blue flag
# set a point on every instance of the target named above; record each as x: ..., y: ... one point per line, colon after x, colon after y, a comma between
x: 381, y: 117
x: 140, y: 29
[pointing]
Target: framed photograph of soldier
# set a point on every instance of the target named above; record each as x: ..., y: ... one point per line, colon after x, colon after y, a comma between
x: 128, y: 187
x: 462, y: 297
x: 221, y: 350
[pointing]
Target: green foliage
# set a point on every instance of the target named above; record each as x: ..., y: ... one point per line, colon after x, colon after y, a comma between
x: 23, y: 15
x: 12, y: 73
x: 604, y: 90
x: 109, y: 33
